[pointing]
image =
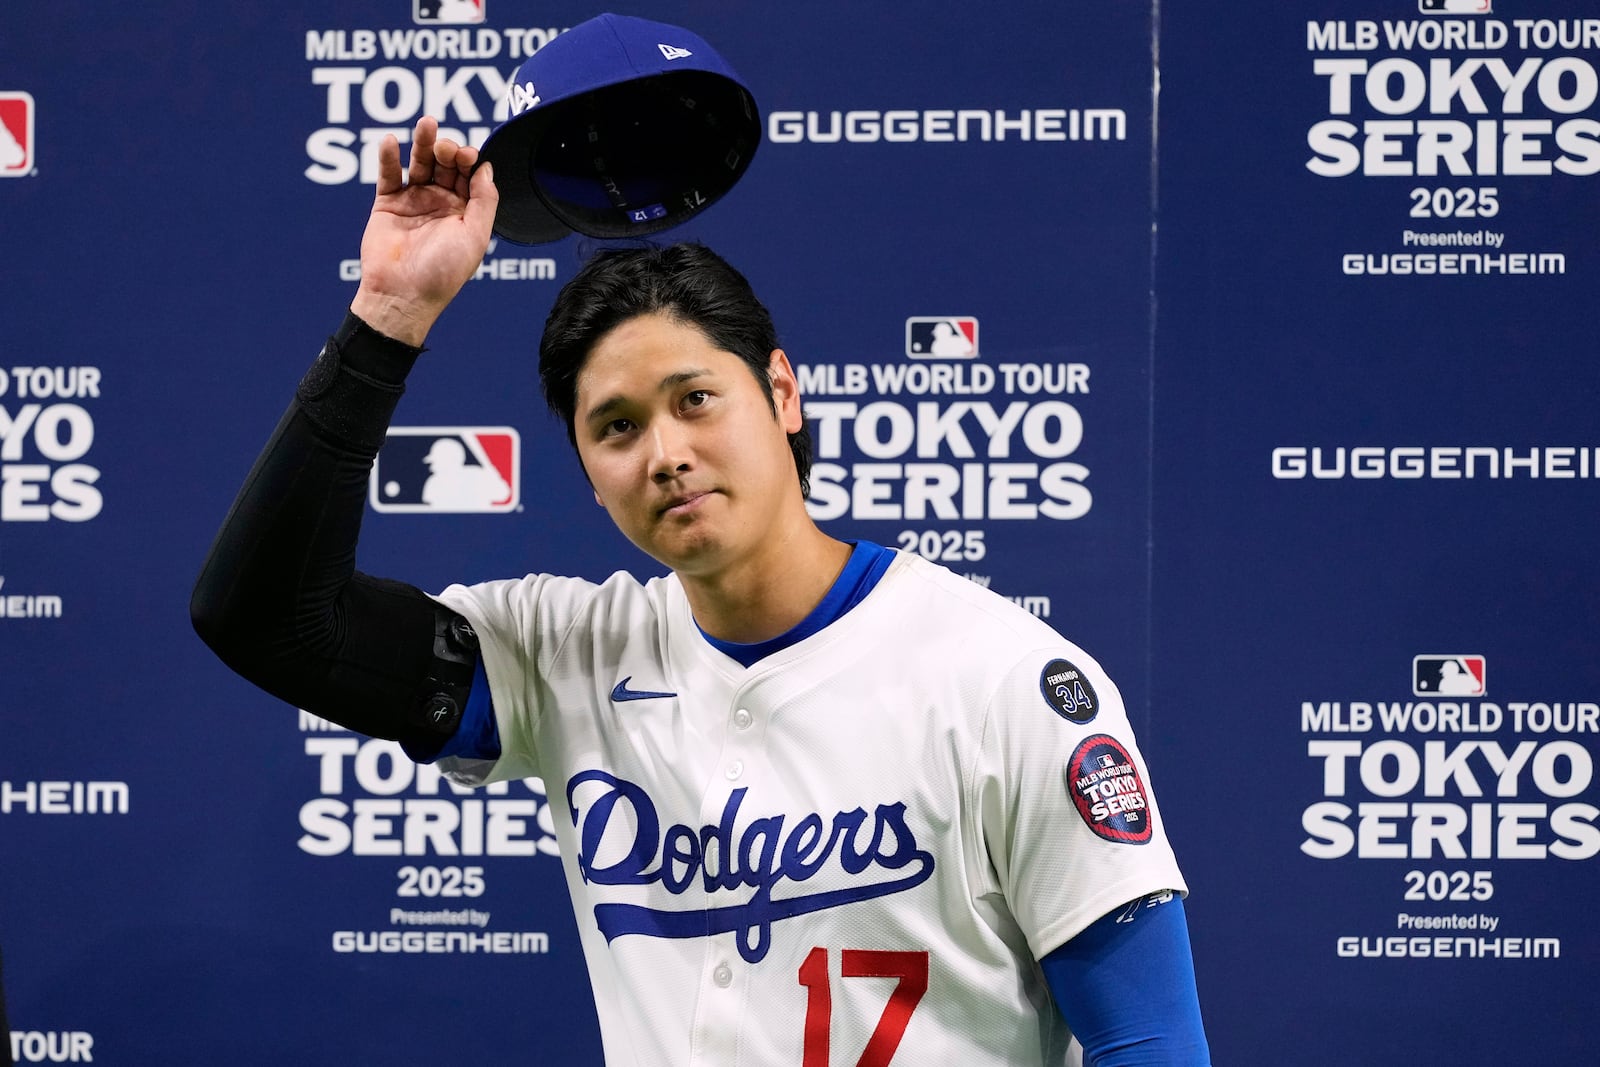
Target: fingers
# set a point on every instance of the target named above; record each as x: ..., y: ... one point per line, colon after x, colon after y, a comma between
x: 422, y: 150
x: 435, y: 161
x: 388, y: 165
x: 453, y: 166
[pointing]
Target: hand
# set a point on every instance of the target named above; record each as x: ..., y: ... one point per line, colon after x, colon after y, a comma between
x: 426, y: 235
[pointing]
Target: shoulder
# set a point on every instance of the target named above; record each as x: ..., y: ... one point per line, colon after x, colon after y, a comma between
x: 540, y: 600
x: 977, y: 639
x: 950, y: 598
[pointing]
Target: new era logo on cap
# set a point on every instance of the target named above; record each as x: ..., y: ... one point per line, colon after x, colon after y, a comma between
x: 16, y: 134
x: 1451, y: 676
x: 669, y: 52
x: 460, y: 469
x: 942, y: 337
x: 446, y: 12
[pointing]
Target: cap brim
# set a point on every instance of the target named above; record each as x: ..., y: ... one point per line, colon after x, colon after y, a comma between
x: 521, y: 215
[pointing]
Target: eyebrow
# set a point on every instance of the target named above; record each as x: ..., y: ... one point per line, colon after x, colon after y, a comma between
x: 667, y: 384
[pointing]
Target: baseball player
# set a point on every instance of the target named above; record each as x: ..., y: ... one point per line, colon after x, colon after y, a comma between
x: 818, y: 802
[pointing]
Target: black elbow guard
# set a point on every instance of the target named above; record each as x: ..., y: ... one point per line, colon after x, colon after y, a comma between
x: 449, y: 681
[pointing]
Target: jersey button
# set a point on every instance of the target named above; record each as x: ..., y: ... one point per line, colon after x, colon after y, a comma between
x: 742, y: 719
x: 723, y: 975
x: 735, y: 769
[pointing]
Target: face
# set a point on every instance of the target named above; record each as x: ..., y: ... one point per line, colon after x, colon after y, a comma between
x: 682, y: 447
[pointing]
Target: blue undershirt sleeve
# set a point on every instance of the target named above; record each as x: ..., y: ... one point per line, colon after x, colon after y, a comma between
x: 1125, y: 985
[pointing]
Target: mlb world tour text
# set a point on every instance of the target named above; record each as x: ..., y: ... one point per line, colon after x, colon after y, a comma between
x: 1463, y: 796
x: 1467, y: 798
x: 389, y: 98
x: 1523, y: 115
x: 44, y: 438
x: 972, y: 454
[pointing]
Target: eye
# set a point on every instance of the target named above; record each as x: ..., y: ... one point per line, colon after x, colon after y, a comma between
x: 616, y: 427
x: 696, y: 398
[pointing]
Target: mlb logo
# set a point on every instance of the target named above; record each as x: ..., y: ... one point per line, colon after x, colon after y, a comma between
x: 944, y: 337
x: 16, y: 134
x: 447, y: 469
x: 446, y: 12
x: 1455, y: 7
x: 1108, y: 761
x: 1449, y: 676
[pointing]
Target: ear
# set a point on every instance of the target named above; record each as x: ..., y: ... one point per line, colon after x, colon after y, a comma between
x: 597, y: 499
x: 785, y: 392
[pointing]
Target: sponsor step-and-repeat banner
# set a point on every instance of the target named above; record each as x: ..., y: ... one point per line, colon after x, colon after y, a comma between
x: 1375, y: 625
x: 1250, y: 349
x: 1452, y: 785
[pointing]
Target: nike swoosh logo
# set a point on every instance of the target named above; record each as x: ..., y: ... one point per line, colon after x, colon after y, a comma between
x: 621, y: 692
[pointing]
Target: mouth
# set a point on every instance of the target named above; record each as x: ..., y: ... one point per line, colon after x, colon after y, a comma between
x: 683, y: 504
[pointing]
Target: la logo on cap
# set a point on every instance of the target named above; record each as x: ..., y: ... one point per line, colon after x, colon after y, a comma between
x: 523, y: 97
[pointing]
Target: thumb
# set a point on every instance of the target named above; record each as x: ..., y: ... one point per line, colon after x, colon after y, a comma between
x: 482, y: 198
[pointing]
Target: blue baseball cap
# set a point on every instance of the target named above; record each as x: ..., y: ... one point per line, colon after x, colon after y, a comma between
x: 619, y: 127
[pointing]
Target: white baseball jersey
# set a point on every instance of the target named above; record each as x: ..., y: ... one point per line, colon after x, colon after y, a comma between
x: 850, y: 853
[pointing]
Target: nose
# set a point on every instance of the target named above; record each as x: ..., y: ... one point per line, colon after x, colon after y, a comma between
x: 669, y: 450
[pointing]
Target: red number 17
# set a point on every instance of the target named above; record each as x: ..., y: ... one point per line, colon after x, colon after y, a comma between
x: 910, y: 967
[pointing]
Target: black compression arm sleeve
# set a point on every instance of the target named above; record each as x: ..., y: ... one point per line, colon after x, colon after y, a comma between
x: 279, y: 599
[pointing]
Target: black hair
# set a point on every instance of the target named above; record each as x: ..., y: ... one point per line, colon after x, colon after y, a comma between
x: 687, y: 282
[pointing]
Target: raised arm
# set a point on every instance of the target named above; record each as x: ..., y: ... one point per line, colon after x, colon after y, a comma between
x: 278, y: 598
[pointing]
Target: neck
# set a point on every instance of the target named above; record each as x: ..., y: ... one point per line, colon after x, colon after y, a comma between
x: 758, y: 598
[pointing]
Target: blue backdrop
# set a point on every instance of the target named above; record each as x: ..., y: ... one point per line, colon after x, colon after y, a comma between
x: 1253, y: 348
